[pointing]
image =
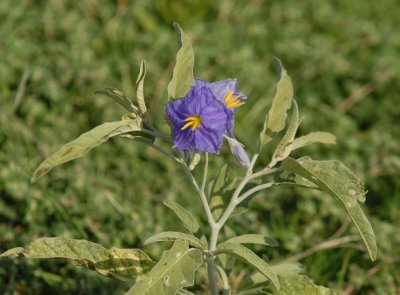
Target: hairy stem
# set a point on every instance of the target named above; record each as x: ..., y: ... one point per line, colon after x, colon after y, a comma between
x: 204, y: 181
x: 254, y: 190
x: 211, y: 222
x: 211, y: 275
x: 156, y: 133
x: 201, y: 193
x: 236, y: 199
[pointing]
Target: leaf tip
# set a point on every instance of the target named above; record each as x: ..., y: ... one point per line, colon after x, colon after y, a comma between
x: 278, y: 65
x: 39, y: 172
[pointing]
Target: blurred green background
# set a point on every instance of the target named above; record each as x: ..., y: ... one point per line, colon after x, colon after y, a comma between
x: 344, y: 60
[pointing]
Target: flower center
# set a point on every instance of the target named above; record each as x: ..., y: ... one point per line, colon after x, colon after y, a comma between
x: 193, y: 122
x: 233, y: 102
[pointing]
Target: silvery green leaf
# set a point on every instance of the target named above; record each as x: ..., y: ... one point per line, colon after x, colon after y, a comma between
x: 84, y: 143
x: 188, y: 220
x: 253, y: 239
x: 139, y: 89
x: 251, y: 258
x: 313, y: 137
x: 125, y: 264
x: 174, y: 271
x: 282, y: 270
x: 287, y: 268
x: 173, y: 236
x: 217, y: 203
x: 182, y: 77
x: 265, y: 134
x: 119, y: 97
x: 221, y: 179
x: 336, y: 179
x: 140, y: 94
x: 301, y: 285
x: 238, y: 151
x: 280, y: 104
x: 284, y: 147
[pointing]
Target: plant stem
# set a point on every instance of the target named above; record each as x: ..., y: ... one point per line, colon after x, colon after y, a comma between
x: 156, y: 133
x: 214, y: 228
x: 210, y: 261
x: 211, y: 275
x: 235, y: 200
x: 201, y: 193
x: 204, y: 181
x: 254, y: 190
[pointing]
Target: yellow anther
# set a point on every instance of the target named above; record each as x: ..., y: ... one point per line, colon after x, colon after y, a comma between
x: 193, y: 122
x: 228, y: 96
x: 233, y: 102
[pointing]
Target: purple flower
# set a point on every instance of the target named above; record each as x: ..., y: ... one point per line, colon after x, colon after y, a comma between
x: 225, y: 91
x: 198, y: 121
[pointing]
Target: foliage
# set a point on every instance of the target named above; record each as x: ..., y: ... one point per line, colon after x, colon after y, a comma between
x: 56, y: 54
x: 124, y: 264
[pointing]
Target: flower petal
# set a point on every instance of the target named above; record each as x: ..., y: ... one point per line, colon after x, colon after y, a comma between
x: 208, y: 140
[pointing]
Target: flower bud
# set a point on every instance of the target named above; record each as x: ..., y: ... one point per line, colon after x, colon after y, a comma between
x: 238, y: 151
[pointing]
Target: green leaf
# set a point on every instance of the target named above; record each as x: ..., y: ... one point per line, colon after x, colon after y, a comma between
x: 216, y: 201
x: 253, y: 239
x: 174, y: 271
x: 84, y: 143
x: 125, y: 264
x: 284, y: 147
x: 173, y: 236
x: 313, y: 137
x: 286, y: 269
x: 140, y: 94
x: 182, y: 77
x: 188, y: 220
x: 281, y: 270
x: 301, y: 285
x: 119, y: 97
x: 264, y: 137
x: 251, y: 258
x: 336, y: 179
x: 280, y: 104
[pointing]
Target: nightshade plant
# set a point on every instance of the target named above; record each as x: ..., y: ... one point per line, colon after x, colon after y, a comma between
x: 201, y: 118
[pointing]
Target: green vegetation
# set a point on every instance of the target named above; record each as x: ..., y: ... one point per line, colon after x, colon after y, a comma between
x: 341, y: 55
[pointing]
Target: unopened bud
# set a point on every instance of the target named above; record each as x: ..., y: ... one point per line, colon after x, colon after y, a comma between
x: 238, y: 151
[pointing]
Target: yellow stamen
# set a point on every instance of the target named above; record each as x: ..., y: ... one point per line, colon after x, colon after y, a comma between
x: 193, y: 122
x: 236, y: 104
x: 233, y: 102
x: 228, y: 96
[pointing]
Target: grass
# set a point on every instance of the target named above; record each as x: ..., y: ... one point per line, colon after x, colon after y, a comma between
x: 344, y: 61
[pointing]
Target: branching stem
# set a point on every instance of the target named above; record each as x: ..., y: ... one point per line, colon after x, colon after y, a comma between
x: 236, y: 199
